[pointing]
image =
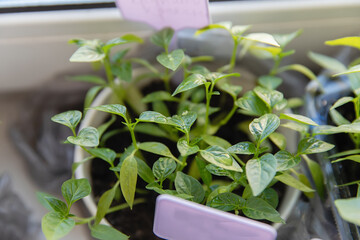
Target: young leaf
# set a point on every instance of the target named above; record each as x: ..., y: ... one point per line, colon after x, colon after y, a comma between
x: 144, y: 171
x: 104, y: 232
x: 90, y: 95
x: 204, y: 173
x: 270, y: 196
x: 278, y: 139
x: 88, y: 53
x: 163, y: 37
x: 263, y: 126
x: 163, y: 167
x: 227, y: 202
x: 158, y: 96
x: 123, y: 71
x: 293, y: 182
x: 260, y: 172
x: 184, y: 121
x: 186, y: 184
x: 232, y: 90
x: 353, y: 69
x: 90, y: 79
x: 247, y: 148
x: 190, y: 82
x: 56, y: 226
x: 221, y: 158
x: 349, y: 209
x: 155, y: 117
x: 326, y: 62
x: 116, y: 109
x: 342, y: 101
x: 346, y: 41
x: 151, y: 129
x: 313, y: 145
x: 171, y: 60
x: 317, y: 175
x: 285, y: 39
x: 69, y: 118
x: 156, y: 148
x: 355, y: 158
x: 87, y: 137
x: 128, y: 178
x: 52, y: 203
x: 75, y: 189
x: 262, y: 38
x: 223, y: 25
x: 104, y: 204
x: 298, y: 118
x: 103, y: 153
x: 252, y: 105
x: 270, y: 82
x: 269, y: 97
x: 286, y: 160
x: 257, y: 208
x: 128, y: 38
x: 185, y: 149
x: 215, y: 140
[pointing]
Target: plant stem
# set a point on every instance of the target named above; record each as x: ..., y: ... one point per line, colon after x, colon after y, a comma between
x: 233, y: 55
x: 125, y: 205
x: 108, y: 72
x: 229, y: 115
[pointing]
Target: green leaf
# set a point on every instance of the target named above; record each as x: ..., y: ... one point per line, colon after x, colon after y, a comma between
x: 337, y: 118
x: 342, y: 101
x: 156, y: 187
x: 163, y: 37
x: 293, y: 182
x: 184, y: 121
x: 215, y: 140
x: 242, y: 148
x: 278, y: 139
x: 227, y: 202
x: 313, y: 145
x: 269, y: 97
x: 151, y: 129
x: 353, y: 69
x: 355, y: 158
x: 171, y: 60
x: 69, y: 118
x: 270, y: 196
x: 344, y: 153
x: 158, y: 96
x: 204, y: 173
x: 296, y: 126
x: 52, y: 203
x: 262, y: 38
x: 186, y: 184
x: 223, y: 25
x: 163, y: 167
x: 128, y: 178
x: 104, y: 232
x: 317, y: 176
x: 218, y: 171
x: 103, y: 127
x: 156, y: 148
x: 87, y: 137
x: 349, y: 209
x: 128, y: 38
x: 144, y: 171
x: 104, y: 204
x: 299, y: 68
x: 260, y: 172
x: 345, y: 41
x: 185, y: 149
x: 88, y: 53
x: 103, y: 153
x: 238, y: 30
x: 263, y: 126
x: 270, y: 82
x: 221, y: 158
x: 75, y: 189
x: 298, y: 118
x: 90, y: 96
x: 155, y: 117
x: 232, y: 90
x: 345, y: 128
x: 252, y: 105
x: 286, y: 160
x: 56, y: 226
x: 193, y: 81
x: 326, y: 62
x: 285, y: 39
x: 123, y: 71
x: 116, y: 109
x: 257, y: 208
x: 90, y: 79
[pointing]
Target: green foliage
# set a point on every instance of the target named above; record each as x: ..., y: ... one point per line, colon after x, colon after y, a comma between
x: 184, y: 153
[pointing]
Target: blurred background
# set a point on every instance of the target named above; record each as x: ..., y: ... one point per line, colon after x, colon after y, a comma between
x: 34, y: 69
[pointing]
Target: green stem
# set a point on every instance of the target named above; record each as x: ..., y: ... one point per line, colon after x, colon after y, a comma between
x: 233, y: 55
x: 229, y: 115
x: 208, y: 97
x: 108, y: 72
x: 125, y: 205
x: 275, y: 68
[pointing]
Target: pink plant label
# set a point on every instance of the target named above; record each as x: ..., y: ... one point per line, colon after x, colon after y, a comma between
x: 177, y: 14
x: 178, y: 219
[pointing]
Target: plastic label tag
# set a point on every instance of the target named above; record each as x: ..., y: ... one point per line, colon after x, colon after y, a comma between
x: 178, y: 219
x: 177, y: 14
